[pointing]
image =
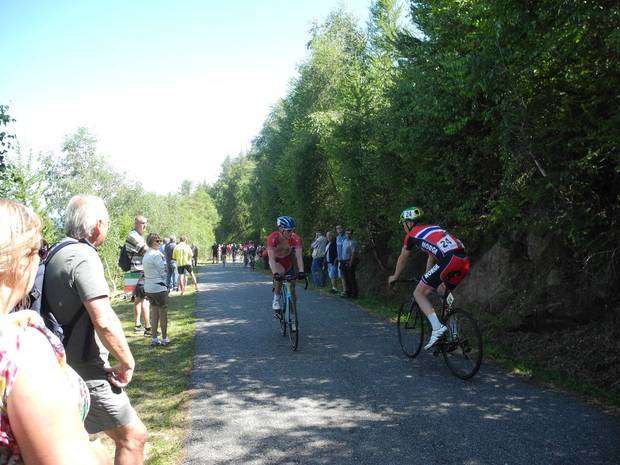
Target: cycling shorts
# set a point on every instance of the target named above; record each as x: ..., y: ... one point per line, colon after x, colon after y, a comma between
x: 450, y: 270
x: 287, y: 263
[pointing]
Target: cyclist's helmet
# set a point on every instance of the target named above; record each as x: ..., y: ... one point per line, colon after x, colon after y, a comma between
x: 285, y: 222
x: 411, y: 214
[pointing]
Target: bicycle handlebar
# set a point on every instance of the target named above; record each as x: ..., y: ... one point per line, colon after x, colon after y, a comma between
x: 291, y: 278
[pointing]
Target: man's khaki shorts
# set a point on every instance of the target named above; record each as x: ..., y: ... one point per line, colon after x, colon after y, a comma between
x: 109, y: 407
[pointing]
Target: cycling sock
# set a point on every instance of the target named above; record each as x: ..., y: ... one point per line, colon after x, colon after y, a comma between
x: 435, y: 323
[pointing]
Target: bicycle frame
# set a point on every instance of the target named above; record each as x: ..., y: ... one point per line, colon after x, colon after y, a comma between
x: 446, y: 300
x: 287, y: 296
x: 289, y: 319
x: 459, y: 344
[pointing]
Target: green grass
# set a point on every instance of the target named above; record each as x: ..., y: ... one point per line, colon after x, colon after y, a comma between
x: 379, y: 307
x: 552, y: 378
x: 159, y: 389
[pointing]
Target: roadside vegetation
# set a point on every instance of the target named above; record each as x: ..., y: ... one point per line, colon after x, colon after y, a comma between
x: 46, y: 182
x: 501, y: 120
x: 159, y: 390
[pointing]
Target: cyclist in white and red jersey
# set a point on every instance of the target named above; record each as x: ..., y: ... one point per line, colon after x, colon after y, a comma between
x: 282, y: 245
x: 446, y: 267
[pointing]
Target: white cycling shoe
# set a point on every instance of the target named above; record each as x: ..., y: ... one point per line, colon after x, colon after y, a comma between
x: 435, y: 336
x: 277, y: 302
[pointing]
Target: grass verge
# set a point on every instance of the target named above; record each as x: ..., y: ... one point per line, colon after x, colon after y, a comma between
x: 608, y: 399
x: 159, y: 389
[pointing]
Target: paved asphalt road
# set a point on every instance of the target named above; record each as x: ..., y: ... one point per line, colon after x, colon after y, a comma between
x: 349, y: 396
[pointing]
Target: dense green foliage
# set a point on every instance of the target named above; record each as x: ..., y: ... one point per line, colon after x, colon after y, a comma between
x: 47, y: 182
x: 500, y: 118
x: 230, y: 194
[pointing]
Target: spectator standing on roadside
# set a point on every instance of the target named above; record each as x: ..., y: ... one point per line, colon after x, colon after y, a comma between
x: 223, y: 252
x: 183, y: 256
x: 155, y: 274
x: 75, y: 286
x: 331, y: 256
x: 162, y: 246
x: 340, y: 237
x: 194, y: 255
x: 214, y: 253
x: 318, y: 259
x: 43, y: 401
x: 350, y: 258
x: 136, y: 248
x: 172, y: 278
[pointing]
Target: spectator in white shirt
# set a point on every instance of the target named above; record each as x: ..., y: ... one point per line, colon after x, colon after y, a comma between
x: 155, y: 274
x: 318, y: 259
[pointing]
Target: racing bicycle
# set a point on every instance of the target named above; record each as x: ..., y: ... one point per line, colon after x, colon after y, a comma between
x: 461, y: 345
x: 289, y: 315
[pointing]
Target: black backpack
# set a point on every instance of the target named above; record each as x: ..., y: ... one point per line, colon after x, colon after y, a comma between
x: 124, y: 262
x: 38, y: 303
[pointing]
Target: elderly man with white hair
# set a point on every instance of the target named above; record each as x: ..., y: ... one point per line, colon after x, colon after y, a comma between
x: 78, y: 295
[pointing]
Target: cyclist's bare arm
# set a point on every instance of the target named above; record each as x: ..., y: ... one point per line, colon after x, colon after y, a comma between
x: 272, y: 259
x: 400, y: 264
x: 430, y: 262
x: 300, y: 260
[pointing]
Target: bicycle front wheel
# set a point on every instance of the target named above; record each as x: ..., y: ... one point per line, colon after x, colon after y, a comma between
x: 282, y: 321
x: 293, y: 325
x: 462, y: 346
x: 410, y: 326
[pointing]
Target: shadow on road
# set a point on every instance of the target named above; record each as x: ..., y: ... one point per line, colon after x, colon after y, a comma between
x: 350, y: 397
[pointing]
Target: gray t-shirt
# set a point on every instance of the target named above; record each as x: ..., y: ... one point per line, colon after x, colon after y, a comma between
x: 75, y: 275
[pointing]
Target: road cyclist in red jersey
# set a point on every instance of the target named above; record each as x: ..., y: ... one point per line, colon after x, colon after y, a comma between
x: 446, y: 266
x: 284, y: 249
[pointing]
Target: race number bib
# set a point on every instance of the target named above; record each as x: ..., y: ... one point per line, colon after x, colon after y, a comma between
x: 447, y: 243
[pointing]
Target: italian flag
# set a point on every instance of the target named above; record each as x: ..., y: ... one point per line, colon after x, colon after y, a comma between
x: 130, y: 282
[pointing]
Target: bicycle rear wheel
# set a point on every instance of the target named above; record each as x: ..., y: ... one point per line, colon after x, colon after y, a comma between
x: 462, y: 346
x: 293, y: 325
x: 411, y: 329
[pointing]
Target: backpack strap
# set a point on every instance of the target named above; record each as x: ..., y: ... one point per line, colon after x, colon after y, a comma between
x: 43, y: 308
x: 67, y: 328
x: 58, y: 247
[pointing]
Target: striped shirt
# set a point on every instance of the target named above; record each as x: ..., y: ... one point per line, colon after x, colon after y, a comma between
x: 136, y: 248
